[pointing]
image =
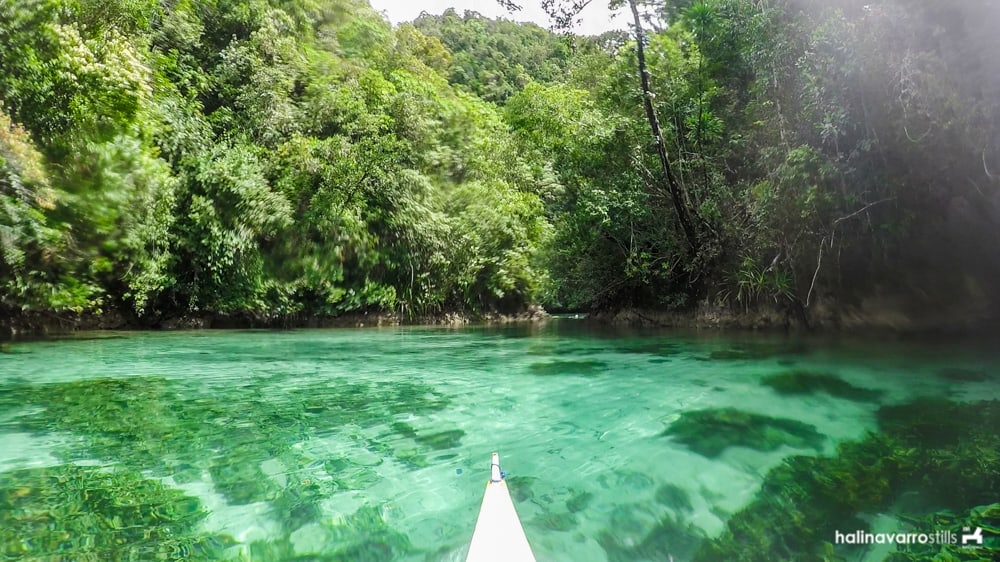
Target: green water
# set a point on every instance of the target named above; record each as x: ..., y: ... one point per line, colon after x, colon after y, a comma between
x: 373, y: 444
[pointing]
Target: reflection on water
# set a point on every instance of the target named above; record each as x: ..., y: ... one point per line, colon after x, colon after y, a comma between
x: 373, y: 444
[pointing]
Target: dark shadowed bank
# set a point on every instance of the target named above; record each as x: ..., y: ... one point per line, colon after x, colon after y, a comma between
x: 53, y: 324
x: 887, y: 315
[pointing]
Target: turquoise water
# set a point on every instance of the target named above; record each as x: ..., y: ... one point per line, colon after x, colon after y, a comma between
x: 374, y: 443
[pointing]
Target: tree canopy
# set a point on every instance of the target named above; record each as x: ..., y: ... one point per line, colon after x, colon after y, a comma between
x: 264, y: 156
x: 305, y: 157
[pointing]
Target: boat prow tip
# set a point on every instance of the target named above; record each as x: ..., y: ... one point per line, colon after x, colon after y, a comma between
x: 499, y: 534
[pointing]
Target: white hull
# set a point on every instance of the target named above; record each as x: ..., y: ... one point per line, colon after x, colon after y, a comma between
x: 498, y: 535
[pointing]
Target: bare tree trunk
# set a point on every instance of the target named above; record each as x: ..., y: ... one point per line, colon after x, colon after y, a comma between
x: 677, y: 194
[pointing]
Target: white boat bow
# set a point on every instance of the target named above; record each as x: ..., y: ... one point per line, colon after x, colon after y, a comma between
x: 499, y: 534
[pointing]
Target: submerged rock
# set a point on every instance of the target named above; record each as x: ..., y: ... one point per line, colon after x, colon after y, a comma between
x: 758, y: 351
x: 808, y: 382
x: 959, y: 374
x: 668, y: 539
x: 561, y: 349
x: 674, y: 497
x: 661, y: 349
x: 579, y: 502
x: 947, y: 454
x: 442, y: 439
x: 632, y: 481
x: 980, y: 523
x: 163, y: 427
x: 568, y: 367
x: 555, y: 522
x: 520, y: 487
x: 88, y: 513
x: 242, y: 481
x: 404, y: 429
x: 710, y: 432
x: 362, y: 536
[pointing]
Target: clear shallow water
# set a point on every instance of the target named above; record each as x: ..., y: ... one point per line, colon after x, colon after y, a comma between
x: 374, y: 443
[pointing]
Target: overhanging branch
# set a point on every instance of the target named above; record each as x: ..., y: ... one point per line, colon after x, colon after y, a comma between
x: 833, y: 232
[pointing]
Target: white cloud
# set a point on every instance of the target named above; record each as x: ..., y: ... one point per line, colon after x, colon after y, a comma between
x: 596, y: 18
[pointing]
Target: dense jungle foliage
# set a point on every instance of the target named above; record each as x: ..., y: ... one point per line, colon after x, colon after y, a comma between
x: 172, y: 157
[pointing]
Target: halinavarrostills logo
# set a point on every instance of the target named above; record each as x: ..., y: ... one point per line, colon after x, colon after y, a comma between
x: 975, y: 538
x: 969, y: 538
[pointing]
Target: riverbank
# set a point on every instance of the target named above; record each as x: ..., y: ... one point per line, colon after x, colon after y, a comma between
x: 869, y: 315
x: 34, y: 324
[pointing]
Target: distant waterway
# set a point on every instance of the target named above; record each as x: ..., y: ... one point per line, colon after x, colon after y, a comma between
x: 374, y: 444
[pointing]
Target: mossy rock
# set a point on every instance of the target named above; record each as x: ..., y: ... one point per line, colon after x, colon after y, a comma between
x: 298, y: 503
x: 168, y: 429
x: 185, y: 473
x: 632, y: 481
x: 807, y: 382
x: 757, y: 351
x: 937, y: 421
x: 412, y: 458
x: 521, y: 487
x: 561, y: 522
x: 737, y: 355
x: 242, y: 482
x: 985, y: 517
x: 74, y: 512
x: 140, y: 421
x: 363, y: 536
x: 806, y: 499
x: 584, y: 368
x: 549, y: 350
x: 674, y: 497
x: 659, y: 349
x: 670, y: 539
x: 404, y: 429
x: 960, y: 444
x: 442, y: 439
x: 710, y: 432
x: 579, y: 502
x: 960, y: 374
x: 803, y: 502
x: 349, y: 475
